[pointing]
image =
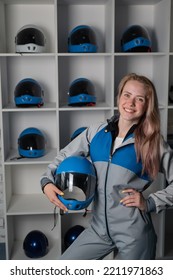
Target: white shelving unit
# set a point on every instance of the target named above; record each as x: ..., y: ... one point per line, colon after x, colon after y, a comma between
x: 26, y: 208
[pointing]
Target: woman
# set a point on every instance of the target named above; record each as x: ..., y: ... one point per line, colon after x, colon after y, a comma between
x: 127, y: 152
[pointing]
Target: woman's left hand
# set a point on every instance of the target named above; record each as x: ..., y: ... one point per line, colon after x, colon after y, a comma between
x: 133, y: 199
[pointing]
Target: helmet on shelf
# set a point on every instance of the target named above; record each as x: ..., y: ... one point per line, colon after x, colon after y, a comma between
x: 81, y: 93
x: 136, y: 39
x: 35, y: 244
x: 72, y: 234
x: 30, y: 39
x: 82, y: 39
x: 31, y: 143
x: 77, y: 132
x: 28, y: 92
x: 76, y: 178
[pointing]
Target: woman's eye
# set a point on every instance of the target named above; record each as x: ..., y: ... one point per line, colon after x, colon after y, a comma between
x: 126, y: 95
x: 140, y: 99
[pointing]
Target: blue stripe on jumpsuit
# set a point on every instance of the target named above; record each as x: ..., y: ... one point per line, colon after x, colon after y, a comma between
x: 100, y: 150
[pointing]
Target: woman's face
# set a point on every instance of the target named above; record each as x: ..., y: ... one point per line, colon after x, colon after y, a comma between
x: 132, y: 102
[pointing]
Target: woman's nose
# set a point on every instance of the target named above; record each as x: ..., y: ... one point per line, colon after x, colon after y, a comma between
x: 131, y: 102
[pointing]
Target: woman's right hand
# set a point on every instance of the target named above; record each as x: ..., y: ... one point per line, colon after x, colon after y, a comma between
x: 51, y: 191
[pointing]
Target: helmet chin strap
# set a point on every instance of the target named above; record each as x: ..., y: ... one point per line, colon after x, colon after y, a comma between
x: 55, y: 217
x: 13, y: 158
x: 86, y: 212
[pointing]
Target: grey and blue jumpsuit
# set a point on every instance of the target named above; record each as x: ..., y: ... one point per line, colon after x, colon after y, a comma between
x: 113, y: 225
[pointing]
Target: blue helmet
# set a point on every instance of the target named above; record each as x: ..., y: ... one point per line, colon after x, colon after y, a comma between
x: 31, y: 143
x: 77, y: 132
x: 28, y: 92
x: 136, y: 39
x: 35, y: 244
x: 82, y: 39
x: 76, y: 178
x: 81, y: 93
x: 71, y: 235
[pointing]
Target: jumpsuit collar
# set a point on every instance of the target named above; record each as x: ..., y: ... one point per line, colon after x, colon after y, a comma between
x: 112, y: 126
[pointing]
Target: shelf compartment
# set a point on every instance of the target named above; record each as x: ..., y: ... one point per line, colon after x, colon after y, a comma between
x: 16, y: 14
x: 72, y: 120
x: 74, y: 13
x: 15, y: 122
x: 41, y: 69
x: 20, y: 181
x: 147, y: 66
x: 20, y: 226
x: 74, y: 67
x: 30, y: 204
x: 150, y: 14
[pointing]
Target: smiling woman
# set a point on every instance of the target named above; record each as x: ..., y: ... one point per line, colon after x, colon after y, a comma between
x: 127, y: 153
x: 138, y: 104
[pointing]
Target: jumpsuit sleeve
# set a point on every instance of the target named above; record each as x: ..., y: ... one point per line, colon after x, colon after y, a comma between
x: 79, y: 146
x: 164, y: 198
x: 151, y: 207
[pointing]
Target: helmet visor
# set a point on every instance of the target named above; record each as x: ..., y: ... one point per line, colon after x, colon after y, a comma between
x: 28, y: 88
x: 83, y: 86
x: 32, y: 142
x: 135, y: 32
x: 30, y: 36
x: 76, y: 186
x: 83, y: 36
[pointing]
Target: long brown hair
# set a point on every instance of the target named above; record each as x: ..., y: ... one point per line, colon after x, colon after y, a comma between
x: 147, y: 133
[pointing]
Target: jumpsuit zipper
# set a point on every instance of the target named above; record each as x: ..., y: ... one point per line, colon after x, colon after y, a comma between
x: 110, y: 159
